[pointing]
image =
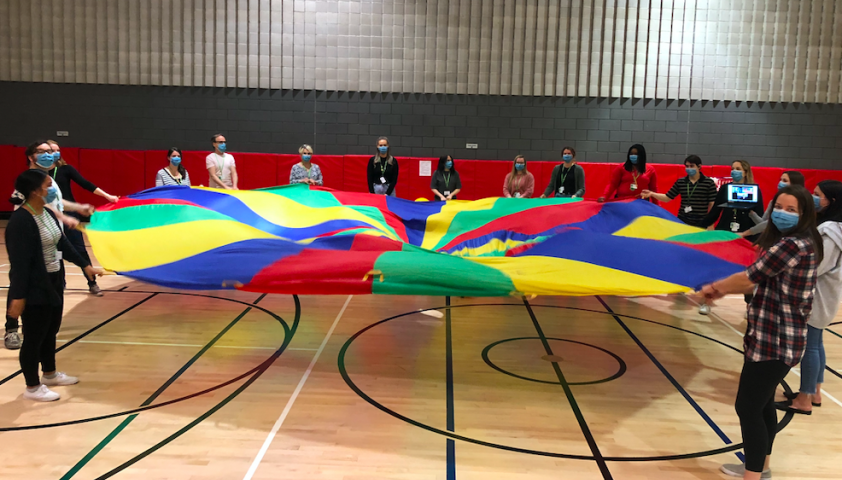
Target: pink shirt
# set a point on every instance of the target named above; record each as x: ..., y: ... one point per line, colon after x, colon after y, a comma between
x: 524, y: 185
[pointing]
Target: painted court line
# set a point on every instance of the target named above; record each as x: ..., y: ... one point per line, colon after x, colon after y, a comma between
x: 794, y: 370
x: 154, y: 344
x: 291, y: 401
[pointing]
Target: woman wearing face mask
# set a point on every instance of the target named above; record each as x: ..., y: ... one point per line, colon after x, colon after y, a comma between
x: 788, y: 178
x: 174, y: 173
x: 567, y: 179
x: 630, y: 179
x: 63, y: 174
x: 733, y: 219
x: 519, y: 183
x: 382, y: 170
x: 445, y: 183
x: 305, y: 171
x: 828, y: 200
x: 35, y: 245
x: 784, y: 276
x: 222, y: 169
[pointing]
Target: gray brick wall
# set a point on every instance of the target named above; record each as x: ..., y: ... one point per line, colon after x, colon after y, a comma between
x: 131, y: 117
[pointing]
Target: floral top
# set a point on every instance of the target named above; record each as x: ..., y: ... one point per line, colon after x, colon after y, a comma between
x: 298, y: 174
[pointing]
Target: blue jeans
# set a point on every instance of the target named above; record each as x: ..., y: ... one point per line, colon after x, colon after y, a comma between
x: 813, y: 363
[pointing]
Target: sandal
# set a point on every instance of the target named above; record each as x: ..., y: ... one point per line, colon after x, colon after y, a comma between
x: 786, y: 406
x: 791, y: 396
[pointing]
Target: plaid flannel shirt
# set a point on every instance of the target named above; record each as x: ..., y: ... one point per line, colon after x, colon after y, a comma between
x: 785, y: 276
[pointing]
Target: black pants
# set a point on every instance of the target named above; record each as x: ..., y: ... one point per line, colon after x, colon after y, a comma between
x: 11, y: 323
x: 41, y: 324
x: 756, y: 408
x: 78, y: 241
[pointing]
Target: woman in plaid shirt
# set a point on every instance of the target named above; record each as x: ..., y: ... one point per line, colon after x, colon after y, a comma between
x: 784, y: 276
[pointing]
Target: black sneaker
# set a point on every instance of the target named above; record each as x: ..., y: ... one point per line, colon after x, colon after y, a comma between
x: 95, y: 290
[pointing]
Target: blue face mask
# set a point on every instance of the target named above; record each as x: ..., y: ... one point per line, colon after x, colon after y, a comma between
x: 175, y: 161
x: 221, y: 147
x: 520, y: 166
x: 306, y: 157
x: 785, y: 221
x: 736, y: 175
x: 782, y: 185
x: 818, y: 201
x: 567, y: 157
x: 383, y: 149
x: 56, y: 156
x: 691, y: 171
x: 633, y: 159
x: 52, y: 193
x: 448, y: 164
x: 45, y: 160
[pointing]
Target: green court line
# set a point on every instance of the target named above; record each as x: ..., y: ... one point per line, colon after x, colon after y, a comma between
x: 111, y: 436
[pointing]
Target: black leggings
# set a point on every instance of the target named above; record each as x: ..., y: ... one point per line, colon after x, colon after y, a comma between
x: 756, y: 408
x: 78, y: 241
x: 41, y: 324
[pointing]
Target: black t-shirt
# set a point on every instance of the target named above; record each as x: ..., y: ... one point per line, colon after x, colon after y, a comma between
x: 566, y: 178
x: 445, y: 181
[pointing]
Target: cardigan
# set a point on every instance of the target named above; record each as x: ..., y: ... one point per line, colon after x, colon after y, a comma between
x: 28, y: 277
x: 555, y: 182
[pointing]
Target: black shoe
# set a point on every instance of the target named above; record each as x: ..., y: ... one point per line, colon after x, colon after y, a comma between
x: 786, y: 406
x: 791, y: 396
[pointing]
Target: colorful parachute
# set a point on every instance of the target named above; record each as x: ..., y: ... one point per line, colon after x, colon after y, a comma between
x: 293, y: 239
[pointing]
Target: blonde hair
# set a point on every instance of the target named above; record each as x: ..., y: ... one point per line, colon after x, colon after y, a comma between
x: 304, y: 148
x: 61, y: 162
x: 749, y: 177
x: 515, y: 172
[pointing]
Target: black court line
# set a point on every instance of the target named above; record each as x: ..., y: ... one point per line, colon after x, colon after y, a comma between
x: 125, y: 423
x: 672, y: 380
x: 289, y: 333
x: 580, y: 417
x: 451, y: 424
x: 88, y: 332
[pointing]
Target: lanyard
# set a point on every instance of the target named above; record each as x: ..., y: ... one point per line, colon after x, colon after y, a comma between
x: 55, y: 170
x: 635, y: 174
x: 382, y: 167
x: 689, y: 193
x: 563, y: 175
x: 446, y: 180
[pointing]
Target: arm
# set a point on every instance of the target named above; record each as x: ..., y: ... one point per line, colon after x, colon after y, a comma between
x: 369, y: 174
x: 82, y: 208
x: 831, y: 256
x: 551, y: 187
x: 760, y: 222
x: 781, y: 256
x: 20, y: 245
x: 433, y: 181
x: 653, y: 180
x: 293, y: 175
x: 715, y: 211
x: 736, y: 283
x: 234, y: 177
x: 614, y: 184
x: 213, y: 178
x: 88, y: 185
x: 186, y: 180
x: 395, y: 182
x: 663, y: 197
x: 159, y: 179
x: 506, y: 192
x: 530, y: 186
x: 318, y: 179
x: 458, y: 186
x: 579, y: 172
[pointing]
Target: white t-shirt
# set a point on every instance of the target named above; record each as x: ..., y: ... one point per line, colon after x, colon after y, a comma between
x: 224, y: 163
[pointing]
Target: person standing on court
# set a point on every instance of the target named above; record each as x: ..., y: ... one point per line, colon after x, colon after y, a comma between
x: 697, y: 192
x: 382, y: 170
x: 445, y: 182
x: 733, y: 219
x: 567, y: 179
x: 631, y: 178
x: 221, y: 166
x: 790, y: 177
x: 174, y: 173
x: 519, y: 183
x: 36, y: 245
x: 784, y: 276
x: 828, y: 294
x: 306, y: 171
x: 63, y: 174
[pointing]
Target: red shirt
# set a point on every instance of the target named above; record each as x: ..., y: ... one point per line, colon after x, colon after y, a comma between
x: 622, y: 180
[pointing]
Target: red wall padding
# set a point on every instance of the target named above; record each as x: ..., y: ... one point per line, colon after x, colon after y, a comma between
x: 122, y: 172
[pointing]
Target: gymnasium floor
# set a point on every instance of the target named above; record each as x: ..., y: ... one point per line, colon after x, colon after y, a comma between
x: 234, y: 385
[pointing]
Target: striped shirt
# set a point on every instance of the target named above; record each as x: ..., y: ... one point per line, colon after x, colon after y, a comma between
x: 50, y: 236
x: 165, y: 179
x: 695, y: 198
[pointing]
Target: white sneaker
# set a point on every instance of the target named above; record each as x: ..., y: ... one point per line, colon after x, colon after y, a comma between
x: 704, y: 309
x: 42, y: 394
x: 61, y: 379
x: 739, y: 470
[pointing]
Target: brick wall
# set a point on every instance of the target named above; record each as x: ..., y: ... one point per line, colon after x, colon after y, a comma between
x: 139, y: 117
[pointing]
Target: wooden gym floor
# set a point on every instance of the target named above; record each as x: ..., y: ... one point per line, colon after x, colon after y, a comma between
x: 234, y: 385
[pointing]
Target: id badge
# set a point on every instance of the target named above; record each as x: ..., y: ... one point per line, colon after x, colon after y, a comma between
x: 688, y: 209
x: 446, y: 193
x: 383, y: 180
x: 517, y: 194
x: 735, y: 227
x: 633, y: 187
x: 561, y: 190
x: 59, y: 255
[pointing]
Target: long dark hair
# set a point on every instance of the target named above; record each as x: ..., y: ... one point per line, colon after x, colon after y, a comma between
x: 832, y: 190
x: 806, y: 226
x: 180, y: 166
x: 795, y: 177
x: 443, y: 160
x: 29, y: 181
x: 641, y: 159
